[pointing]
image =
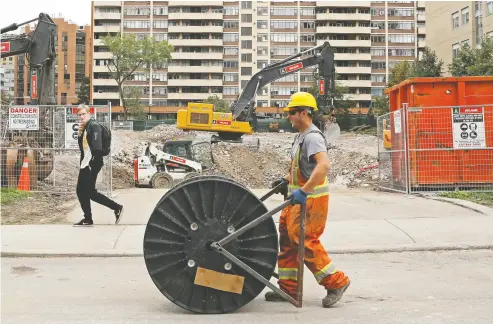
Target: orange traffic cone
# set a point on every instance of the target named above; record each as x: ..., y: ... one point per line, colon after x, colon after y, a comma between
x: 24, y: 181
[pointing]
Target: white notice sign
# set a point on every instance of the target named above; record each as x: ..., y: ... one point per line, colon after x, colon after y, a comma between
x: 24, y: 118
x: 397, y: 121
x: 468, y: 127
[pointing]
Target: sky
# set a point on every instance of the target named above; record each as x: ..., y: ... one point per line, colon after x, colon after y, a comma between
x: 19, y: 11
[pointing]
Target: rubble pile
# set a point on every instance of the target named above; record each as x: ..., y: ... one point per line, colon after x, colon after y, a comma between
x: 353, y: 157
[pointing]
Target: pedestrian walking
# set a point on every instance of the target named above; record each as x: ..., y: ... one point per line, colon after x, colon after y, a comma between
x: 306, y: 184
x: 91, y: 161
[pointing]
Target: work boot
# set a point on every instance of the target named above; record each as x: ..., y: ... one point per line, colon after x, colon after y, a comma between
x: 273, y: 296
x: 334, y: 295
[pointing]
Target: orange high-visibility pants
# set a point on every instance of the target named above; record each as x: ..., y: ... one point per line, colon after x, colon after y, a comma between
x: 316, y: 257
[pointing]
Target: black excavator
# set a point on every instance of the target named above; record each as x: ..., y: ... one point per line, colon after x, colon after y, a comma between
x: 242, y: 119
x: 40, y: 55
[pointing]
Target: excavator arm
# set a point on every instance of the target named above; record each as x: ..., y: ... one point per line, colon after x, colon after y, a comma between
x: 39, y: 48
x: 243, y: 108
x: 242, y: 118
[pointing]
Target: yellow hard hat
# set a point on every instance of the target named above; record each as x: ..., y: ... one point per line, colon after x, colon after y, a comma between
x: 302, y: 99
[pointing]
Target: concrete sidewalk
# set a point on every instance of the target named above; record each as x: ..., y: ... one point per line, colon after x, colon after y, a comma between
x: 359, y: 221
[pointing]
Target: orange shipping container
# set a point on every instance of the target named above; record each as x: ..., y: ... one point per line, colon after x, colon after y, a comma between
x: 445, y: 135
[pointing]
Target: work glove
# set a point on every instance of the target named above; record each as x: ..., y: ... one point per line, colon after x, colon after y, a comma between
x: 283, y: 188
x: 299, y: 197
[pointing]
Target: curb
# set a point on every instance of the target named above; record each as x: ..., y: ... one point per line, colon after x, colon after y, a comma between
x: 478, y: 208
x: 130, y: 254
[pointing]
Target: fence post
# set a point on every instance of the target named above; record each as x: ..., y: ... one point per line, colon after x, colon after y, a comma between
x: 111, y: 152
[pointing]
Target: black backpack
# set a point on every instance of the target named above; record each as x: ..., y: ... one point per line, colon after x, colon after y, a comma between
x: 105, y: 138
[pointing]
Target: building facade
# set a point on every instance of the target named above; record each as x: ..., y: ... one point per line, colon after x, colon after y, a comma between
x: 220, y: 45
x: 7, y: 73
x: 74, y: 60
x: 456, y: 23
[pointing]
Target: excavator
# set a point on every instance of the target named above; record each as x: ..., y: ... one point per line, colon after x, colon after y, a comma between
x: 242, y: 119
x: 39, y: 49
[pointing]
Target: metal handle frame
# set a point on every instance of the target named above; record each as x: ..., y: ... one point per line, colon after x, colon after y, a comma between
x: 218, y: 246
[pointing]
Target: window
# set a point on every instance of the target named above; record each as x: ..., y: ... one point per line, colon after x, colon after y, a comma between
x: 464, y: 13
x: 246, y: 5
x: 284, y: 24
x: 230, y: 64
x: 261, y: 38
x: 307, y: 25
x: 262, y: 50
x: 137, y: 24
x: 246, y: 70
x: 378, y: 39
x: 246, y: 18
x: 246, y: 31
x: 307, y: 12
x: 246, y: 44
x: 455, y: 20
x: 230, y: 77
x: 396, y: 38
x: 377, y: 92
x: 401, y: 51
x: 230, y: 37
x: 262, y: 64
x: 230, y: 51
x: 231, y: 11
x: 377, y: 51
x: 306, y: 38
x: 233, y: 24
x: 283, y: 11
x: 262, y: 24
x: 246, y: 57
x: 230, y: 91
x: 489, y: 8
x: 402, y: 25
x: 401, y: 12
x: 378, y: 78
x: 283, y: 37
x: 262, y: 11
x: 160, y: 24
x: 377, y: 25
x: 455, y: 50
x: 283, y: 50
x: 377, y: 12
x: 378, y: 65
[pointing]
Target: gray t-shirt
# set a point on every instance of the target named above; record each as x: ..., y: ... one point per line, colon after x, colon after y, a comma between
x: 313, y: 143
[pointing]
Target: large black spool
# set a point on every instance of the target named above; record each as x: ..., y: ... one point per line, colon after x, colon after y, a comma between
x: 214, y: 204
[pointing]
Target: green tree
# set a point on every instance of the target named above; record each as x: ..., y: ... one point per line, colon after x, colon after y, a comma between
x: 429, y: 65
x: 132, y: 98
x: 83, y: 93
x: 474, y: 61
x: 220, y: 105
x: 131, y: 54
x: 6, y: 98
x: 400, y: 72
x: 380, y: 105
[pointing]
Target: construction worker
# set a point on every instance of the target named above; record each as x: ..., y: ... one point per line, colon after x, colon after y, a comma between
x: 306, y: 184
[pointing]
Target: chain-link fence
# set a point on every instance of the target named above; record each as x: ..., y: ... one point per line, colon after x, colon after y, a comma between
x: 428, y: 149
x: 46, y: 138
x: 392, y: 151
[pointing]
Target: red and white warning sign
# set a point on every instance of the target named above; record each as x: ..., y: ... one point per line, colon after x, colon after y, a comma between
x: 5, y: 47
x: 24, y: 118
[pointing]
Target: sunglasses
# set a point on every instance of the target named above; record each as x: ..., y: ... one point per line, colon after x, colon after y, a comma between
x: 294, y: 111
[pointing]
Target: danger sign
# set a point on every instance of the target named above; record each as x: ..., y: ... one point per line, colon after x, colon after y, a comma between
x: 468, y: 127
x: 24, y: 118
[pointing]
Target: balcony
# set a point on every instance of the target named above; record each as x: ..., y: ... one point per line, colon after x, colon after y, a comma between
x: 421, y: 30
x: 194, y: 16
x: 343, y: 4
x: 358, y: 97
x: 194, y: 82
x: 98, y: 42
x: 353, y: 70
x: 421, y: 4
x: 192, y: 96
x: 195, y: 69
x: 344, y: 16
x: 346, y: 43
x: 194, y: 3
x: 195, y: 29
x: 355, y: 83
x: 105, y: 95
x: 421, y: 43
x: 107, y: 29
x: 421, y: 17
x: 343, y: 30
x: 107, y: 3
x: 107, y: 15
x: 103, y: 55
x: 100, y: 68
x: 104, y: 82
x: 352, y: 56
x: 196, y: 42
x: 196, y: 56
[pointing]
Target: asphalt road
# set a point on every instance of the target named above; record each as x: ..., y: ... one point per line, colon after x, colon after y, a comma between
x: 421, y: 287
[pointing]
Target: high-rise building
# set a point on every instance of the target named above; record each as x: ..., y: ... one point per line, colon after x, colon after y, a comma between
x: 73, y: 46
x: 7, y: 75
x: 456, y: 23
x: 397, y: 34
x: 220, y: 45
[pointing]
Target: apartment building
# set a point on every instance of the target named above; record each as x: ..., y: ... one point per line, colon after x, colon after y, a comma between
x: 456, y: 23
x: 7, y: 74
x: 74, y: 60
x: 397, y: 34
x: 220, y: 45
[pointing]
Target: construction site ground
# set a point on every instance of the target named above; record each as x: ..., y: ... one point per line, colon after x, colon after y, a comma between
x: 353, y: 165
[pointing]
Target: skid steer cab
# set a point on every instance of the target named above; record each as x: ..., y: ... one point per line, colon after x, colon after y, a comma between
x: 162, y: 168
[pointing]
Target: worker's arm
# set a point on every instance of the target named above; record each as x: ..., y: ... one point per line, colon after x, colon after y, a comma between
x: 319, y: 173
